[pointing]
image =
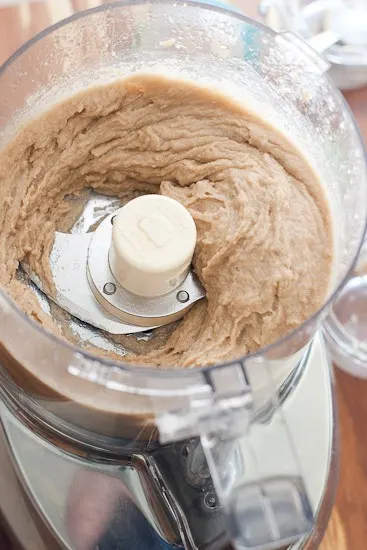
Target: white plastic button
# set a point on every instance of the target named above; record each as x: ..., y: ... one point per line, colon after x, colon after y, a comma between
x: 153, y: 241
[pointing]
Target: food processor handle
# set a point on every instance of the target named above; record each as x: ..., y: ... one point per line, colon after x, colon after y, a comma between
x: 243, y: 467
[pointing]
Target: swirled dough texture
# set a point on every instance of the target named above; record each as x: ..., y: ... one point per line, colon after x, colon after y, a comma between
x: 264, y: 249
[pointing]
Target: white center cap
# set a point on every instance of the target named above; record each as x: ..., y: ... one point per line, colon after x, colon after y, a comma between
x: 153, y: 241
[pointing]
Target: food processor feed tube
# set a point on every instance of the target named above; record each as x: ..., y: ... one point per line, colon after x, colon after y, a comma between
x: 238, y: 127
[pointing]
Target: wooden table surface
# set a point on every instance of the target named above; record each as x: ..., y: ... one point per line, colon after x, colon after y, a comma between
x: 348, y: 526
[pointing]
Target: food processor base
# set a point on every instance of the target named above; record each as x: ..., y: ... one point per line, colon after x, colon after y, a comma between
x: 39, y: 480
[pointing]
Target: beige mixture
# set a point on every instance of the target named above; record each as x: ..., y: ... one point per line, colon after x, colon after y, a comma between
x: 264, y: 249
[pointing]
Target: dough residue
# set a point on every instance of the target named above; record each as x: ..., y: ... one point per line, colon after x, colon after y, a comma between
x: 264, y: 248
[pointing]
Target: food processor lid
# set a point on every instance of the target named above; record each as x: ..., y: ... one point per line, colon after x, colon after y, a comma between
x: 345, y: 329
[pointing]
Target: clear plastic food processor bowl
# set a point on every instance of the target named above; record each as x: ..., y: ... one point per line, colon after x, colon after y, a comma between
x: 96, y: 402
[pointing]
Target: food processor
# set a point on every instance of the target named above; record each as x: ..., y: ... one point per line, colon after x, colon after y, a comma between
x: 96, y: 453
